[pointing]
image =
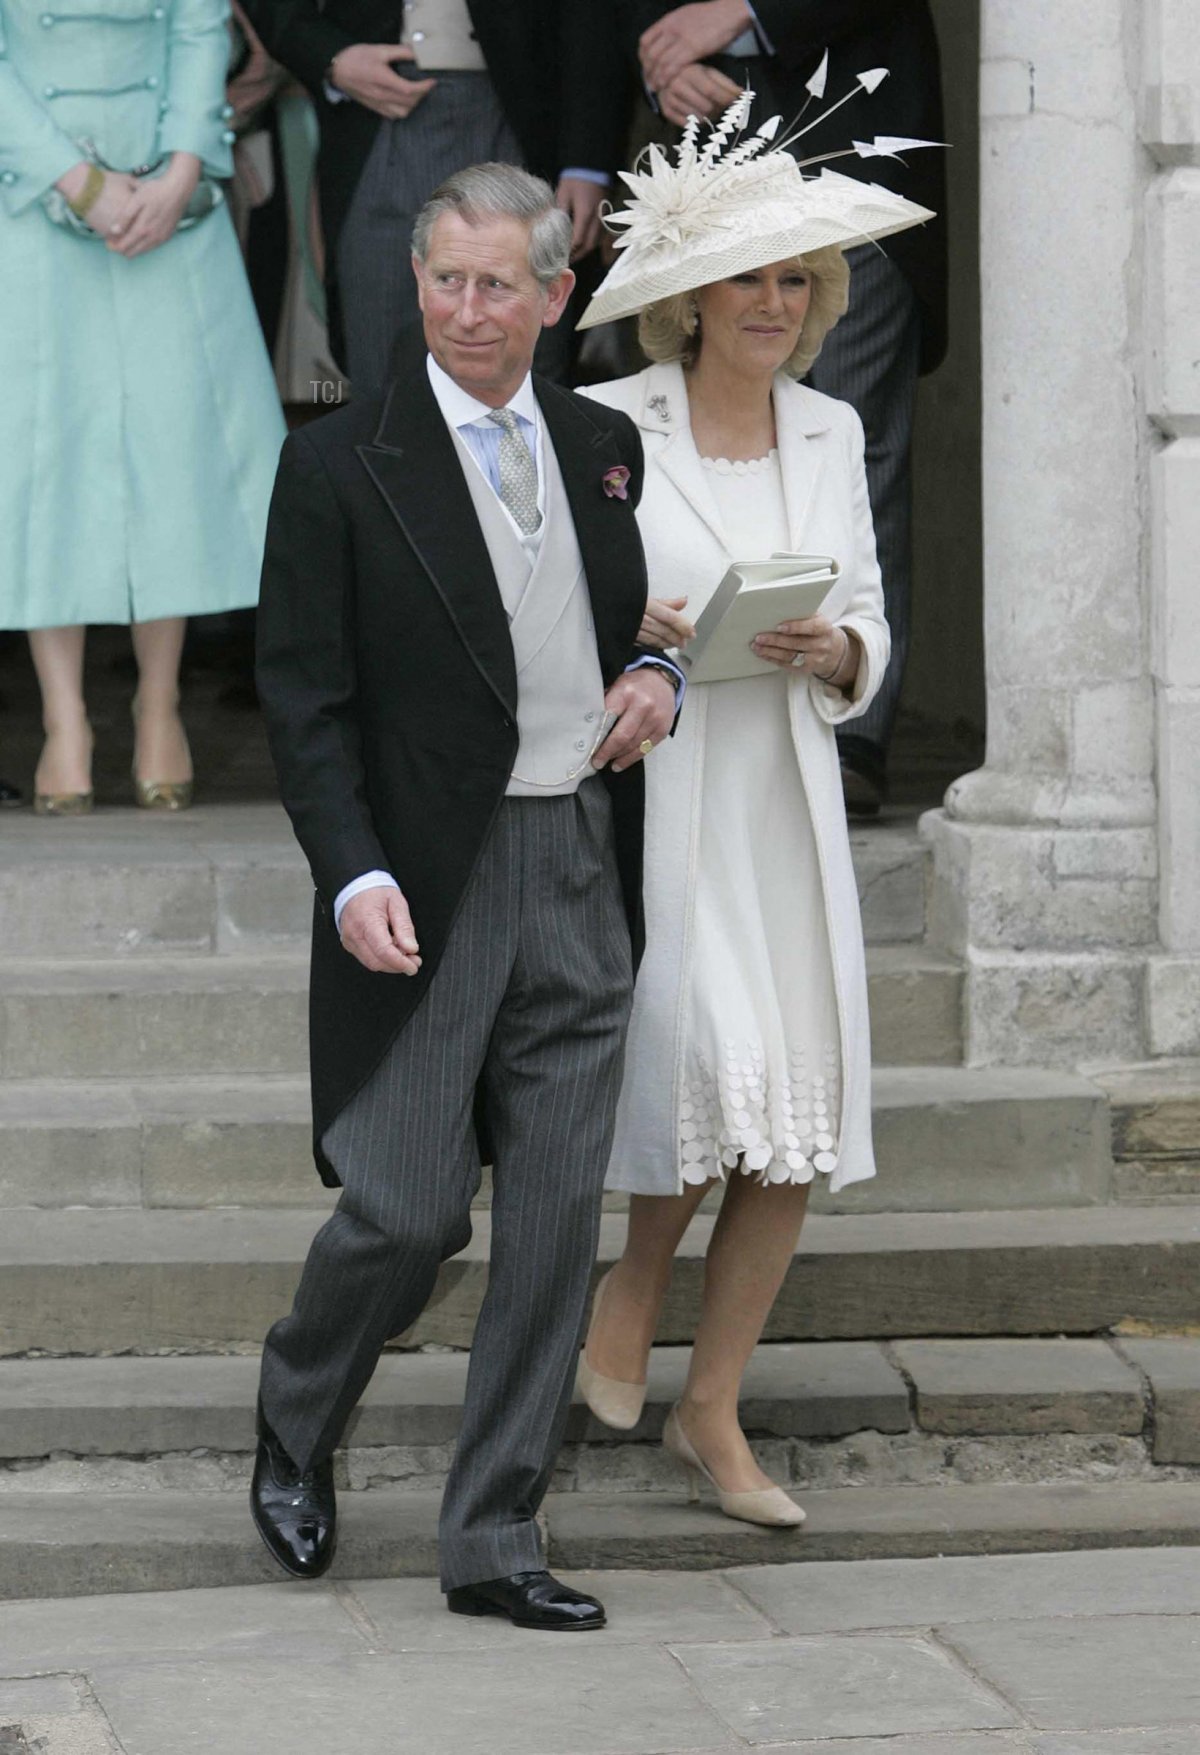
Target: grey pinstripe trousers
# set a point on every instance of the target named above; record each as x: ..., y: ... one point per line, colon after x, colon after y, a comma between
x: 531, y: 999
x: 870, y: 360
x: 459, y: 123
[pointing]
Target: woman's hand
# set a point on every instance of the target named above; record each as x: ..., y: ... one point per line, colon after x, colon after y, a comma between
x: 112, y: 204
x: 662, y: 624
x: 158, y: 205
x: 823, y: 649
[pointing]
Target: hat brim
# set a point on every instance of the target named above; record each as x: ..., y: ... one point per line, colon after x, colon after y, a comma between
x: 631, y: 285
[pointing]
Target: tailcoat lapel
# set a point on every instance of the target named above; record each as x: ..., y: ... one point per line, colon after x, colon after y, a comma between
x: 413, y: 463
x: 606, y: 528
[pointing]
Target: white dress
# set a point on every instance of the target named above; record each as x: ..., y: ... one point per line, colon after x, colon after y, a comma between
x: 761, y: 1062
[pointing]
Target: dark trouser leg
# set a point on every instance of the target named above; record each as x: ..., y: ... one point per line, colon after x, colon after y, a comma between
x: 552, y: 1077
x: 458, y: 123
x: 870, y: 360
x: 405, y: 1150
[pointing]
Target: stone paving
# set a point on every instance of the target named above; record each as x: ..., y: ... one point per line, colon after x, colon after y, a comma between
x: 1068, y: 1654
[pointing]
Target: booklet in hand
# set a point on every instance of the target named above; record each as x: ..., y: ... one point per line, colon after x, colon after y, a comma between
x: 753, y: 597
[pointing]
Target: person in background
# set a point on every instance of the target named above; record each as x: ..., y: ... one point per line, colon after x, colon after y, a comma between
x: 697, y: 58
x: 409, y: 91
x: 139, y: 423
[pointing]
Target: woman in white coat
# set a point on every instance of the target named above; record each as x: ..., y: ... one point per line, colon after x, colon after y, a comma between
x: 748, y: 1055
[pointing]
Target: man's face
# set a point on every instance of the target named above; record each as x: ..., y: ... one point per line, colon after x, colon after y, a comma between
x: 482, y: 306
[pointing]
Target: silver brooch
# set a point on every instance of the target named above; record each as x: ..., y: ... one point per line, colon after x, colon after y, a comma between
x: 659, y: 405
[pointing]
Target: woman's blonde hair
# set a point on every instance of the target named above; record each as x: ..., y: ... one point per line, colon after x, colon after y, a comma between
x: 669, y: 329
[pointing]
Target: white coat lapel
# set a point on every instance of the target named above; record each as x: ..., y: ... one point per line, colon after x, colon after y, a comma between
x: 801, y: 430
x: 664, y: 412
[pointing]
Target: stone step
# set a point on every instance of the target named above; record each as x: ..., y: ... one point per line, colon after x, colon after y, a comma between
x: 232, y: 879
x: 118, y: 1281
x: 946, y: 1137
x: 56, y: 1544
x: 166, y: 1016
x: 227, y: 878
x: 162, y: 1408
x: 1155, y: 1110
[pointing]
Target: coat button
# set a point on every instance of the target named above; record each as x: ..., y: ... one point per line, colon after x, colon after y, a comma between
x: 229, y: 136
x: 152, y: 82
x: 226, y: 112
x: 159, y: 12
x: 581, y: 744
x: 8, y: 177
x: 50, y: 91
x: 163, y: 106
x: 47, y: 20
x: 588, y: 718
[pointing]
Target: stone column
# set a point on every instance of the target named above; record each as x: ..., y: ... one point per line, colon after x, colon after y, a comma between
x: 1046, y: 858
x: 1171, y: 132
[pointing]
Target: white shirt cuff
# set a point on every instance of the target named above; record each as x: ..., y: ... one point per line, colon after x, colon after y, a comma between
x: 370, y: 880
x: 671, y: 671
x: 586, y: 176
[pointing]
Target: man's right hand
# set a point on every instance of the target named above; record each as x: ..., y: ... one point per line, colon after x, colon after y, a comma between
x: 364, y: 72
x: 377, y: 928
x: 697, y: 91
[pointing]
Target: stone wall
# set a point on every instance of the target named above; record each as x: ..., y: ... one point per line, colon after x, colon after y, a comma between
x: 1057, y: 876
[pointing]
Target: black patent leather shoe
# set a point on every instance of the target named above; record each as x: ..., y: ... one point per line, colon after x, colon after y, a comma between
x: 294, y: 1512
x: 529, y: 1599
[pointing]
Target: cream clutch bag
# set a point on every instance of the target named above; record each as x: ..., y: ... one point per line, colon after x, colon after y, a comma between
x: 752, y: 597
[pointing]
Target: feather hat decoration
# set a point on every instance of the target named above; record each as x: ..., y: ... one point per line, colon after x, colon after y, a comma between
x: 731, y: 202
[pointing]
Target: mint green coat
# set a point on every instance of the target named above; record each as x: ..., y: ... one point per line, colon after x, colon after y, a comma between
x: 139, y: 423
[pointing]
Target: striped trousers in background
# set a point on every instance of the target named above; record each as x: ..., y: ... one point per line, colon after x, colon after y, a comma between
x: 870, y: 360
x: 530, y: 1002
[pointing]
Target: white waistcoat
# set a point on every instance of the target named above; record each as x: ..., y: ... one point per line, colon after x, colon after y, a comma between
x: 441, y: 35
x: 560, y: 691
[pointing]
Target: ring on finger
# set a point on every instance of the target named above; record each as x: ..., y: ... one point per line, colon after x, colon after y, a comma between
x: 646, y: 746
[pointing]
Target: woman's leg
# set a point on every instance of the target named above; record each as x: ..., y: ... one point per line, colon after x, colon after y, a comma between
x: 618, y: 1347
x: 66, y: 761
x: 161, y: 747
x: 752, y: 1245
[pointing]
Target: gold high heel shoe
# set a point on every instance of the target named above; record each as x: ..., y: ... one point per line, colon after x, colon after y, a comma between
x: 616, y: 1403
x: 164, y: 794
x: 765, y: 1505
x: 63, y: 804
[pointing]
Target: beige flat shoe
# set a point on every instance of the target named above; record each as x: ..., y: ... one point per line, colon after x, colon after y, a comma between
x: 613, y: 1402
x: 63, y: 804
x: 764, y: 1505
x: 164, y: 794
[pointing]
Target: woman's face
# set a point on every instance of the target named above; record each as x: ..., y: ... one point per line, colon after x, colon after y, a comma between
x: 753, y: 320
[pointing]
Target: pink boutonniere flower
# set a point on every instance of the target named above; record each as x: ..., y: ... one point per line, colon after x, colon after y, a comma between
x: 616, y: 482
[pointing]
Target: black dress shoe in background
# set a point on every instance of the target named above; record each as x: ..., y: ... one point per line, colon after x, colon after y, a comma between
x: 10, y: 795
x: 529, y: 1599
x: 864, y: 776
x: 294, y: 1512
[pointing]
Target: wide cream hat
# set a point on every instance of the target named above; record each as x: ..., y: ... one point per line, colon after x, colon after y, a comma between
x: 733, y: 203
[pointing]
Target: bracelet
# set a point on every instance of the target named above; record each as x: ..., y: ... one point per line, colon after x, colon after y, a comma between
x: 841, y: 661
x: 93, y: 185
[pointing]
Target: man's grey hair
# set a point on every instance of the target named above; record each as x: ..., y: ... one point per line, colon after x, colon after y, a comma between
x: 502, y: 191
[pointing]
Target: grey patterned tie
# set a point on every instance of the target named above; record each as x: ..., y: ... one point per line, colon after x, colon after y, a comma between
x: 518, y: 473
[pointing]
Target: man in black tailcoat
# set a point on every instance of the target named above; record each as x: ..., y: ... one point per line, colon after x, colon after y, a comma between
x: 452, y: 593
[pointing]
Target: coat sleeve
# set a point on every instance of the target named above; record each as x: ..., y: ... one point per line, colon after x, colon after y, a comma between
x: 34, y: 151
x: 597, y: 88
x: 798, y: 30
x: 307, y: 675
x: 863, y: 614
x: 300, y: 36
x: 195, y: 118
